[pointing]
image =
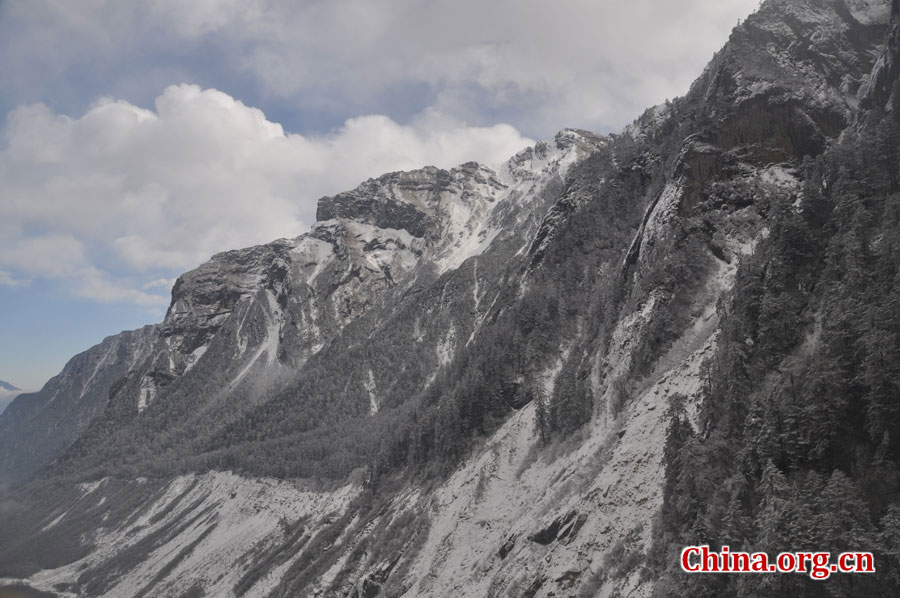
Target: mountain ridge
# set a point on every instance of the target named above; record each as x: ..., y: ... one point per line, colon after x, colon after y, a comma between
x: 267, y: 332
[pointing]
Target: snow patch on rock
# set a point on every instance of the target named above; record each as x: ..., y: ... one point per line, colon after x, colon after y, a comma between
x: 370, y: 388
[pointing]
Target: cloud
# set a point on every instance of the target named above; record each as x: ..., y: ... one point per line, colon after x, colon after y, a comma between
x: 540, y: 66
x: 96, y: 285
x: 160, y: 283
x: 105, y: 195
x: 8, y: 280
x: 63, y: 258
x: 104, y: 200
x: 46, y: 255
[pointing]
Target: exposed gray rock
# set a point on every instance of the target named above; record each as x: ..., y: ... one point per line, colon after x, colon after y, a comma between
x: 35, y: 427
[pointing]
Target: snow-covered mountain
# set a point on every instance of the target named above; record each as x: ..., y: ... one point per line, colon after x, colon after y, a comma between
x: 459, y: 381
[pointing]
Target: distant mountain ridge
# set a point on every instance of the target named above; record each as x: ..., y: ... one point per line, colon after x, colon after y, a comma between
x: 7, y: 386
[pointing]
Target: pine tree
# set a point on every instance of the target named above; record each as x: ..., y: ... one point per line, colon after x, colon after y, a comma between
x: 773, y: 509
x: 889, y: 546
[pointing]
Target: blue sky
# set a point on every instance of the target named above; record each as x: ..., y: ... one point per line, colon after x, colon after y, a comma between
x: 139, y: 138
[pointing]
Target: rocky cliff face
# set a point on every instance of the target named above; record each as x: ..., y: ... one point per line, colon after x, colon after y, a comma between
x: 37, y: 426
x: 242, y: 322
x: 481, y: 361
x: 254, y: 313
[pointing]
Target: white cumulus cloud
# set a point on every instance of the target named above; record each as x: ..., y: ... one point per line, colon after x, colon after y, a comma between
x: 587, y: 63
x: 116, y: 201
x: 539, y: 65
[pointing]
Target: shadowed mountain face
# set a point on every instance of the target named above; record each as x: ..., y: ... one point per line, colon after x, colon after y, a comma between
x: 490, y: 381
x: 35, y: 427
x: 7, y: 393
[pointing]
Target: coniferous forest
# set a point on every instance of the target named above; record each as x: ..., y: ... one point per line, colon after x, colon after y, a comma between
x: 798, y: 445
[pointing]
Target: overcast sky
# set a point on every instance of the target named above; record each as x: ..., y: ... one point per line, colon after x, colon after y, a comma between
x: 141, y: 137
